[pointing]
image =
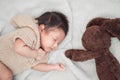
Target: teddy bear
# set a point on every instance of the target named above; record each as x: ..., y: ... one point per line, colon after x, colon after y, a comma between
x: 96, y: 40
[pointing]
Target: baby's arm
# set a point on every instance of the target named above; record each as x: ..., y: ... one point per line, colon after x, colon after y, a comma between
x: 49, y: 67
x: 22, y: 49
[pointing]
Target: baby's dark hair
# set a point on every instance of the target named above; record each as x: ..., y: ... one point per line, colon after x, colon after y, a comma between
x: 53, y: 19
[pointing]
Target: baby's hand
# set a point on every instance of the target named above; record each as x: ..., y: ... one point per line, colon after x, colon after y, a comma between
x: 59, y: 67
x: 41, y: 51
x: 40, y: 54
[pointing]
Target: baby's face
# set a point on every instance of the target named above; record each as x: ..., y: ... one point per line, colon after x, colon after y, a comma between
x: 50, y: 38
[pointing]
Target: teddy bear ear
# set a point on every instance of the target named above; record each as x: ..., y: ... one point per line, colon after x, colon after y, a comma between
x: 112, y: 26
x: 96, y: 21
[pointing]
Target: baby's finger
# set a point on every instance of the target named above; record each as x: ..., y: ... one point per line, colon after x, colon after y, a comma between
x: 41, y: 51
x: 62, y: 66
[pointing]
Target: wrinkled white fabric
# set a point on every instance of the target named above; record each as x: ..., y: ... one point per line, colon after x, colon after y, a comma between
x: 79, y: 13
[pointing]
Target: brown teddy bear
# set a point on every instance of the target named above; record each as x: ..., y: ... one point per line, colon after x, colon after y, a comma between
x: 97, y: 40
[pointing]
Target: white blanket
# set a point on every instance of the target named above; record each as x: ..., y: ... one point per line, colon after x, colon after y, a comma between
x: 79, y: 13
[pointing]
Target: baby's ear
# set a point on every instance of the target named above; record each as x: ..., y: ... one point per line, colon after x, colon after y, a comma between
x: 96, y: 21
x: 112, y: 27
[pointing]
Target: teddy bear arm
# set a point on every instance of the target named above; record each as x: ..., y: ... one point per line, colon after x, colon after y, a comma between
x: 85, y: 55
x: 80, y: 55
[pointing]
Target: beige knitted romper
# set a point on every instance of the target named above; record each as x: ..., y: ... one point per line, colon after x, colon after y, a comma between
x: 28, y: 32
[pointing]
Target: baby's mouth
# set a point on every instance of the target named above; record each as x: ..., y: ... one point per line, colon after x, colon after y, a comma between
x: 49, y: 50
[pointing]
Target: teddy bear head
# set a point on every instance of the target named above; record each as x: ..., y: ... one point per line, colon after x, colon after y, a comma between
x: 95, y: 39
x: 98, y: 33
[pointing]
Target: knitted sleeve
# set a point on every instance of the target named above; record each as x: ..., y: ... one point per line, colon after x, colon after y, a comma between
x: 27, y: 35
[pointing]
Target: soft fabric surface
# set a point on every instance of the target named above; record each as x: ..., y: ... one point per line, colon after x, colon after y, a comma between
x: 79, y: 13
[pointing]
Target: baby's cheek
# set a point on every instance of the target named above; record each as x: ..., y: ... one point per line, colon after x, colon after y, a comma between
x: 47, y: 45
